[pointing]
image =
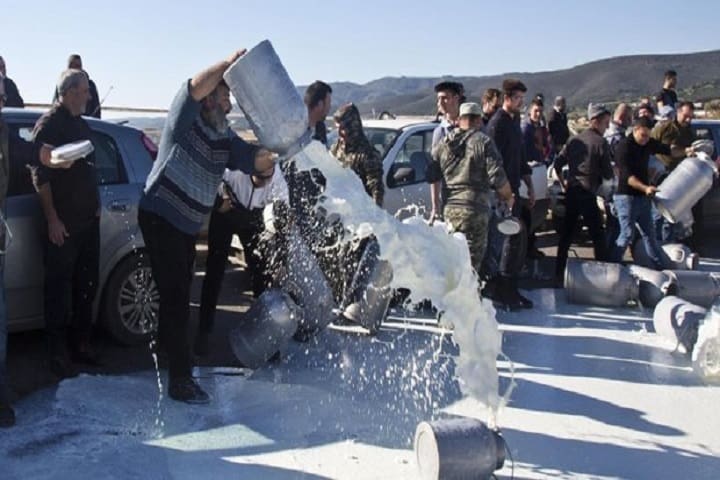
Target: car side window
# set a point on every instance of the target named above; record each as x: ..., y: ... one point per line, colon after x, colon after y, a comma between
x: 21, y: 150
x: 410, y: 164
x: 108, y: 161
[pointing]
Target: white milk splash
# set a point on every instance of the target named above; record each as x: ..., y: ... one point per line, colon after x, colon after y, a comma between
x: 428, y: 261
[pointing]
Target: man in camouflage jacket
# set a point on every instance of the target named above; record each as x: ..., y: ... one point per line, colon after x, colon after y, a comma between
x: 470, y: 165
x: 353, y: 150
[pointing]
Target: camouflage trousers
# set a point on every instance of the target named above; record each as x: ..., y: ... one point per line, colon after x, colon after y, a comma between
x: 473, y: 223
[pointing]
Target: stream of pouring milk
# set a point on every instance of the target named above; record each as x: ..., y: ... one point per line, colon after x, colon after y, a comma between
x: 428, y: 261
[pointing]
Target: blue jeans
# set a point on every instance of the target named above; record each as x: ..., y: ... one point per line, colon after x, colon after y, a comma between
x: 665, y: 232
x: 635, y: 211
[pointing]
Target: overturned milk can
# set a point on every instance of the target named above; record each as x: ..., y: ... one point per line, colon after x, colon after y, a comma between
x: 458, y: 449
x: 368, y: 297
x: 678, y: 320
x: 685, y: 186
x: 653, y: 285
x: 675, y: 256
x: 308, y: 287
x: 267, y: 327
x: 599, y: 283
x: 700, y: 288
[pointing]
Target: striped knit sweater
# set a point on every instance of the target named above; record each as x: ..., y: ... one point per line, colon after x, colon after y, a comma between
x: 192, y: 157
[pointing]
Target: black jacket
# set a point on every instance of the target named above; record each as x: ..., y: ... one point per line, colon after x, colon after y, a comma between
x: 13, y: 94
x: 558, y: 127
x: 588, y: 158
x: 507, y: 135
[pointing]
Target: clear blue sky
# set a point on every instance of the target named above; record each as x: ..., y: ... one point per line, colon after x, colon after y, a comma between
x: 146, y: 48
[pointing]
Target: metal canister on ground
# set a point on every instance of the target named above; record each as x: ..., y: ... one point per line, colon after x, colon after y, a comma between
x: 455, y: 449
x: 654, y: 285
x: 266, y: 328
x: 678, y: 320
x: 700, y: 288
x: 599, y: 283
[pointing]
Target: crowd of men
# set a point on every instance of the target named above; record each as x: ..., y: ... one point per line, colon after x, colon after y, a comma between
x: 482, y: 153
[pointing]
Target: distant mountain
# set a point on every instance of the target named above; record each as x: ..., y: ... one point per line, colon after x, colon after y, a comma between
x: 609, y: 80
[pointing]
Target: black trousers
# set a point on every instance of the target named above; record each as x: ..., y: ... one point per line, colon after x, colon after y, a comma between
x: 579, y: 201
x: 71, y: 281
x: 514, y: 247
x: 247, y: 225
x: 172, y: 255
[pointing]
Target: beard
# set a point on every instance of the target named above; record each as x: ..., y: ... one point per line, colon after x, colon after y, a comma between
x: 216, y: 118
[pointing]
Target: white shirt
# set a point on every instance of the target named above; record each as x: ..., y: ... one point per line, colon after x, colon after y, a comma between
x: 252, y: 197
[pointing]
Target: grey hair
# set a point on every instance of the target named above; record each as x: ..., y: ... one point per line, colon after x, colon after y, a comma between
x: 70, y: 78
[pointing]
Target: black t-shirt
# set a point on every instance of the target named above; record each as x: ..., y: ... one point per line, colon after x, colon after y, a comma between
x: 632, y: 161
x: 668, y: 97
x: 74, y: 190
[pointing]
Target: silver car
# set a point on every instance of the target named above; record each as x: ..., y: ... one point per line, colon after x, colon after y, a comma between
x: 127, y: 300
x: 404, y: 145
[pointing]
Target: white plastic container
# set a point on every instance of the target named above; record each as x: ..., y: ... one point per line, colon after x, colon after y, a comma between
x: 539, y: 181
x: 71, y: 152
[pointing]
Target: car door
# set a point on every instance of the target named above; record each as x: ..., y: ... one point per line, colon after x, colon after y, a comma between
x: 118, y: 199
x: 406, y: 188
x: 24, y: 269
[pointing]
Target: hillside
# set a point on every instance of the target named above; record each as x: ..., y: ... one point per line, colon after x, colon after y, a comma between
x: 608, y: 80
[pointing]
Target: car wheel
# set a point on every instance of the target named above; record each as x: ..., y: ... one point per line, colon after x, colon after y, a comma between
x: 132, y: 301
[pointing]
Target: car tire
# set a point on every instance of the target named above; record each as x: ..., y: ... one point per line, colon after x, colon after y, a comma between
x: 131, y: 301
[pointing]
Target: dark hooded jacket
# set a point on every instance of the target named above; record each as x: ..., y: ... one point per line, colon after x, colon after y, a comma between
x: 355, y: 152
x: 470, y: 165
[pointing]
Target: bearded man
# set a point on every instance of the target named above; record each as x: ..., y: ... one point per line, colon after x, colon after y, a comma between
x: 196, y: 147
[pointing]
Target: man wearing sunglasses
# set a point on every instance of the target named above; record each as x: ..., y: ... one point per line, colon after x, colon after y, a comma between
x: 238, y: 211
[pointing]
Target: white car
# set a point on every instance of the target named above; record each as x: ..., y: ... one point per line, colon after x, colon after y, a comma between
x: 404, y: 145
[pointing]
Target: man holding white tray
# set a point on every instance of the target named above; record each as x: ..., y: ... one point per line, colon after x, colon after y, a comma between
x: 71, y: 204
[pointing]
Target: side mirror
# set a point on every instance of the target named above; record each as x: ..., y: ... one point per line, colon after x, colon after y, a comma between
x: 400, y: 175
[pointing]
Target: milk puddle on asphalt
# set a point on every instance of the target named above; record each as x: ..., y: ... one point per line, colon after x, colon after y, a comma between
x: 341, y: 391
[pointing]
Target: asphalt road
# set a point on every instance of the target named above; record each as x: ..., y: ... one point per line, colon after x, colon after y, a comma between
x: 26, y: 351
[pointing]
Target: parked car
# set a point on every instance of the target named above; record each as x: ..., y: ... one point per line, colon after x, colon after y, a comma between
x: 127, y: 300
x: 405, y: 146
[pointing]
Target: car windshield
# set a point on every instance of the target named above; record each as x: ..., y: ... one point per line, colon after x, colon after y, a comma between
x: 380, y: 138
